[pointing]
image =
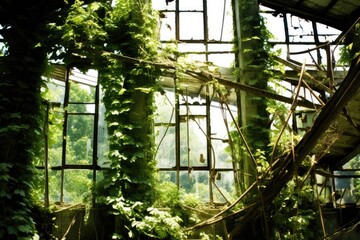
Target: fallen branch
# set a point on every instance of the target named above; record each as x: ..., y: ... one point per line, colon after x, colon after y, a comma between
x: 327, y: 116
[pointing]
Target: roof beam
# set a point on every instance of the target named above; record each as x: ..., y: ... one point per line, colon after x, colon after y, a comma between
x: 348, y: 157
x: 208, y: 77
x: 299, y: 3
x: 329, y: 6
x: 304, y: 12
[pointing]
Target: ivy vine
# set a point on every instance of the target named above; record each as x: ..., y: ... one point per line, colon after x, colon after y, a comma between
x: 88, y: 38
x: 21, y: 68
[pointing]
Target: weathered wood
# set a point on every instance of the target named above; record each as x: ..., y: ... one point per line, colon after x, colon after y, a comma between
x: 327, y: 116
x: 207, y: 77
x: 307, y: 76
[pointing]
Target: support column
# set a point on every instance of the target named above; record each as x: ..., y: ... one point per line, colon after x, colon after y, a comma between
x: 251, y: 59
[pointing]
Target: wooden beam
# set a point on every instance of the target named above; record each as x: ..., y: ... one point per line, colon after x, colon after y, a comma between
x: 208, y: 77
x: 284, y: 169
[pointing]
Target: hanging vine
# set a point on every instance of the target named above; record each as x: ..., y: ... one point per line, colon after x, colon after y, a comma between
x: 88, y: 38
x: 21, y: 68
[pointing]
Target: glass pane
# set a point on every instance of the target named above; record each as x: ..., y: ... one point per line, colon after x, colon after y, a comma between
x: 191, y: 26
x: 354, y: 163
x: 56, y: 91
x: 327, y: 33
x: 168, y: 176
x: 195, y: 109
x: 103, y: 144
x: 197, y: 182
x: 193, y: 151
x: 220, y: 20
x: 300, y: 30
x: 191, y: 47
x: 77, y: 185
x: 190, y: 5
x: 81, y: 93
x: 300, y: 57
x: 100, y: 176
x: 79, y: 139
x: 222, y: 154
x: 275, y: 24
x: 167, y: 26
x: 220, y: 47
x: 222, y: 60
x: 165, y: 111
x: 223, y: 189
x: 163, y: 5
x: 220, y: 137
x: 81, y: 108
x: 196, y: 57
x: 347, y: 187
x: 88, y: 78
x: 54, y: 185
x: 55, y: 137
x: 165, y: 155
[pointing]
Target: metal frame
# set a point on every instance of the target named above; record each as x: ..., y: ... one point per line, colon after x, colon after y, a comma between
x: 64, y: 166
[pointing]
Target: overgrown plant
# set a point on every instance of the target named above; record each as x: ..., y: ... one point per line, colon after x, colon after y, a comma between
x: 21, y: 67
x: 76, y: 35
x: 129, y: 88
x: 351, y: 49
x: 301, y: 214
x: 251, y: 69
x: 293, y: 213
x: 90, y: 37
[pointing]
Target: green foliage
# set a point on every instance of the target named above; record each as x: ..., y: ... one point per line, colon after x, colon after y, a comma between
x: 81, y: 28
x: 138, y: 222
x: 178, y: 203
x: 18, y: 224
x: 131, y: 28
x: 293, y: 215
x: 45, y: 222
x: 167, y: 195
x: 262, y: 163
x: 204, y: 236
x: 128, y: 28
x: 160, y: 225
x: 286, y: 139
x: 256, y: 64
x: 351, y: 49
x: 20, y: 122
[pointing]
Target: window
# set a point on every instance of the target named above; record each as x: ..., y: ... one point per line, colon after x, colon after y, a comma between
x: 192, y: 140
x: 191, y: 135
x: 75, y: 135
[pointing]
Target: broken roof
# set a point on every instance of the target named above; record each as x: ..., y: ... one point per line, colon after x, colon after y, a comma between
x: 340, y: 14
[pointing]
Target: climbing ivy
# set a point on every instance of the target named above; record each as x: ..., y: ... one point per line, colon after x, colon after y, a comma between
x: 254, y: 50
x: 92, y: 36
x: 73, y: 35
x: 294, y: 211
x: 129, y: 102
x: 20, y: 71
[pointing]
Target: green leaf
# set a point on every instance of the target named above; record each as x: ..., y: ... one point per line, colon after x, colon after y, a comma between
x: 144, y: 90
x: 20, y: 192
x: 24, y: 228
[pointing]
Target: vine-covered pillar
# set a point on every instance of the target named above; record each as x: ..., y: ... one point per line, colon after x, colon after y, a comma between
x: 129, y: 101
x: 251, y: 60
x: 21, y: 69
